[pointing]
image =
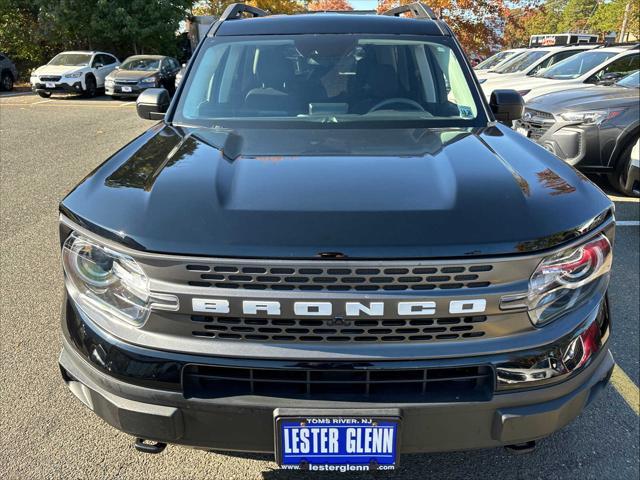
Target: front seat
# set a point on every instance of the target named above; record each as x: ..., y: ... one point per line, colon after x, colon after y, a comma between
x: 379, y: 82
x: 274, y: 72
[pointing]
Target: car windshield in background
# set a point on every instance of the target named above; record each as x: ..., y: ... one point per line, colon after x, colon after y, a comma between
x: 522, y: 61
x: 329, y: 79
x: 71, y: 59
x: 630, y: 81
x: 142, y: 64
x: 494, y: 60
x: 574, y: 67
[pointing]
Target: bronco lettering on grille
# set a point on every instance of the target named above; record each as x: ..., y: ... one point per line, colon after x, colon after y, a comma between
x: 351, y: 309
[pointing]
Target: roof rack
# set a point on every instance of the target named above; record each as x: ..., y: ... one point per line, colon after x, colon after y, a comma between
x: 418, y: 9
x: 235, y: 11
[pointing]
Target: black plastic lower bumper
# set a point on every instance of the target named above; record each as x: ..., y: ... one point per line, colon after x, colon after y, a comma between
x: 59, y: 88
x: 246, y: 423
x: 143, y: 392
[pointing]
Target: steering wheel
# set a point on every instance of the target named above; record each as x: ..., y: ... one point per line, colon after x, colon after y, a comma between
x: 391, y: 101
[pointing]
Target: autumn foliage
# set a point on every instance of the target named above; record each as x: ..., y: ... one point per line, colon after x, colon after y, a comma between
x: 329, y: 6
x: 476, y: 23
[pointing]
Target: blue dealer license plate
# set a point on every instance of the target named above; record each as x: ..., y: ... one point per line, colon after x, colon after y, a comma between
x: 337, y: 444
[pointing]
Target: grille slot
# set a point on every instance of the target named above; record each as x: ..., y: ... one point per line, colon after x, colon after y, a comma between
x: 50, y: 78
x: 538, y: 123
x: 306, y: 330
x: 339, y: 279
x: 452, y: 384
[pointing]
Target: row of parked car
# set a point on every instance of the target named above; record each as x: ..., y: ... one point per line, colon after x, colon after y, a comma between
x: 87, y: 72
x: 582, y: 104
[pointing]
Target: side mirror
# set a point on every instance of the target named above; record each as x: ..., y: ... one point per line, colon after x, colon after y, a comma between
x: 117, y: 67
x: 610, y: 78
x: 99, y: 65
x: 152, y: 103
x: 506, y: 105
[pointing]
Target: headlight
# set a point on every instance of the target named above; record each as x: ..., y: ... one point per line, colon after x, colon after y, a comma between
x: 73, y: 75
x: 523, y: 92
x: 102, y: 280
x: 148, y: 80
x: 567, y: 279
x: 591, y: 117
x: 482, y: 80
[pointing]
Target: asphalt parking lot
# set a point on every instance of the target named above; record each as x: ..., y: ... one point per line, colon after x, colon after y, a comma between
x: 46, y: 147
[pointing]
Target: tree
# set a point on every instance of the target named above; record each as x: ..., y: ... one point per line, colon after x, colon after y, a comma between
x: 329, y: 5
x: 576, y: 15
x: 477, y: 24
x: 609, y: 18
x: 277, y: 6
x: 119, y: 26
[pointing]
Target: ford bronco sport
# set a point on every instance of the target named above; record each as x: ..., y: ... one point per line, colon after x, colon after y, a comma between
x: 330, y: 249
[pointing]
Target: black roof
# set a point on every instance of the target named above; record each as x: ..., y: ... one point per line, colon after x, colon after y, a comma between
x: 328, y: 23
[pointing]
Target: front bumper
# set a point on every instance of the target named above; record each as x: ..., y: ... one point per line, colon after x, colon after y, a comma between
x: 117, y: 90
x: 576, y: 144
x: 60, y: 87
x: 140, y: 391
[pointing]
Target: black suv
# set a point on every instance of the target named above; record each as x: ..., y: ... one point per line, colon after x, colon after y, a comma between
x: 329, y: 249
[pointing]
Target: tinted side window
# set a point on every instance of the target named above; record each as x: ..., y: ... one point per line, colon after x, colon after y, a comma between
x: 553, y: 59
x: 623, y: 66
x: 108, y: 59
x: 1, y: 58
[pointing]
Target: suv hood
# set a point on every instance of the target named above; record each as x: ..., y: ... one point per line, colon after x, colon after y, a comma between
x: 449, y: 193
x: 131, y: 74
x: 585, y: 99
x: 57, y: 69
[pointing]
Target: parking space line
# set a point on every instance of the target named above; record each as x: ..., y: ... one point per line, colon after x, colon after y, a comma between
x: 626, y: 388
x: 627, y: 223
x: 41, y: 101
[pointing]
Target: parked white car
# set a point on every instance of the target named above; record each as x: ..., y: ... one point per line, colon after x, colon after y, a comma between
x: 73, y: 72
x: 532, y: 61
x: 595, y: 66
x: 496, y: 60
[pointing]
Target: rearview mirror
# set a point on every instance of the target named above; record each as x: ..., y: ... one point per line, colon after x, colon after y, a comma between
x: 506, y: 105
x: 152, y: 103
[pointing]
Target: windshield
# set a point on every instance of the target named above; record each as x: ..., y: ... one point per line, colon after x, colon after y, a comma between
x: 631, y: 81
x: 494, y: 60
x: 576, y: 66
x: 71, y: 59
x: 143, y: 64
x: 522, y: 61
x: 331, y: 79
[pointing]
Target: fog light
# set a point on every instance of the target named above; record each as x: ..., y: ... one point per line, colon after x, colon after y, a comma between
x: 556, y: 362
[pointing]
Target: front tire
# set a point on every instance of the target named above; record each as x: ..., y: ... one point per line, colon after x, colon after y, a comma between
x: 91, y: 87
x: 618, y: 178
x: 44, y: 94
x: 6, y: 82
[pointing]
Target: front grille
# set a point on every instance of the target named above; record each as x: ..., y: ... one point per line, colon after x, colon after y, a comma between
x: 126, y: 82
x: 537, y: 122
x: 540, y: 114
x: 337, y: 330
x: 452, y: 384
x: 55, y: 78
x: 288, y: 277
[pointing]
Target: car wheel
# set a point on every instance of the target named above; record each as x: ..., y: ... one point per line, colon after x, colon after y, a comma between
x: 6, y: 82
x: 44, y: 94
x: 91, y: 87
x: 618, y: 178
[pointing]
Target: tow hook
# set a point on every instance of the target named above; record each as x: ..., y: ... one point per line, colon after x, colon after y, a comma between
x: 521, y: 448
x: 148, y: 446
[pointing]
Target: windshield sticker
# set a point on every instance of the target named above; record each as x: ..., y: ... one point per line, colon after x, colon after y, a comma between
x: 465, y: 112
